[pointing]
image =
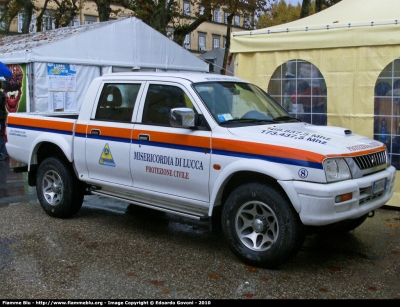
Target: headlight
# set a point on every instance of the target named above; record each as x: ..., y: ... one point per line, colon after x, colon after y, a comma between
x: 336, y: 170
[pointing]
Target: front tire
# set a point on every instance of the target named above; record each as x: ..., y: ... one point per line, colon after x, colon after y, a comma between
x: 59, y: 192
x: 261, y: 226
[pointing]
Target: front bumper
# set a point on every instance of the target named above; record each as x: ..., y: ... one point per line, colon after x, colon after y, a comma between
x: 316, y: 204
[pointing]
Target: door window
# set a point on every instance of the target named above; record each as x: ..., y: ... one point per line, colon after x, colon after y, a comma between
x: 117, y: 101
x: 160, y: 100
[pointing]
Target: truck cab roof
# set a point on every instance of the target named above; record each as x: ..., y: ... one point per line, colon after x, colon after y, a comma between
x: 190, y: 76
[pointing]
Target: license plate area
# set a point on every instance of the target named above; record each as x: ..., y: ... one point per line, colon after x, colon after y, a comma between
x: 379, y: 186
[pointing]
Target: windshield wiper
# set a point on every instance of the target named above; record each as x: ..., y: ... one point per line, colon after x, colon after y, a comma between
x: 246, y: 120
x: 286, y: 118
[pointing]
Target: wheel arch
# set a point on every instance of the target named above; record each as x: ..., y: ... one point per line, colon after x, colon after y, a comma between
x: 242, y: 177
x: 42, y: 151
x: 61, y: 143
x: 245, y: 170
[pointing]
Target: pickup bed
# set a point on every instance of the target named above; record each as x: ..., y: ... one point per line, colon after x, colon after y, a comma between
x: 208, y: 147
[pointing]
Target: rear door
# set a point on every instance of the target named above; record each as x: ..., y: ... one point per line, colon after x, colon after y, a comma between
x: 109, y: 133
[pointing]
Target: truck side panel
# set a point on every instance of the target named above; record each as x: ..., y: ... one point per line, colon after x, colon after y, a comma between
x: 27, y: 131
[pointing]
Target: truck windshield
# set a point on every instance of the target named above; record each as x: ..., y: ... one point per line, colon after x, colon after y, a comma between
x: 239, y: 102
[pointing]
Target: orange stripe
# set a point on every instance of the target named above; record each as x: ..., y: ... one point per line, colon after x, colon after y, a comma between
x: 267, y: 149
x: 174, y: 138
x: 41, y: 123
x: 182, y: 139
x: 112, y: 131
x: 231, y: 145
x: 246, y: 147
x: 358, y: 153
x: 80, y: 128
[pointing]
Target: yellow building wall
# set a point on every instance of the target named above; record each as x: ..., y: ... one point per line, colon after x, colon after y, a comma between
x: 211, y: 29
x: 350, y: 75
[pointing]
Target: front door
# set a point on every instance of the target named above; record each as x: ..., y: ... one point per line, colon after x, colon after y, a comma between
x: 166, y: 159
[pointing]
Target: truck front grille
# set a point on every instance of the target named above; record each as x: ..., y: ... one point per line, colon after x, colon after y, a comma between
x: 367, y: 196
x: 371, y: 160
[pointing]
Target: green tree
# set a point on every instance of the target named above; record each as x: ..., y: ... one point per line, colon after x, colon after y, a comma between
x: 305, y: 8
x: 66, y: 11
x: 40, y: 16
x: 250, y: 10
x: 279, y: 13
x: 166, y: 13
x: 27, y: 7
x: 323, y: 4
x: 11, y: 9
x: 162, y: 14
x: 202, y: 12
x: 309, y: 7
x: 104, y: 8
x: 156, y: 14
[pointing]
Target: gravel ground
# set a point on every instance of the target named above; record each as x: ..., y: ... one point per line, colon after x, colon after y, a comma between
x: 109, y: 252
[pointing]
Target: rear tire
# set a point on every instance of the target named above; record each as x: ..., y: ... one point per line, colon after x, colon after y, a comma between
x: 261, y: 226
x: 59, y: 192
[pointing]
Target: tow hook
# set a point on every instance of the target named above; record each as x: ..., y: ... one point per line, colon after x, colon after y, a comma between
x: 371, y: 213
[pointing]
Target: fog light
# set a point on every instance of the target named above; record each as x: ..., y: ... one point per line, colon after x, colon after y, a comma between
x: 344, y: 197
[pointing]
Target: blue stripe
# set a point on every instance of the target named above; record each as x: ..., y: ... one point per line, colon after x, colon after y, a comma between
x: 40, y: 129
x: 105, y: 138
x: 172, y: 146
x: 80, y: 135
x: 274, y: 159
x: 268, y: 158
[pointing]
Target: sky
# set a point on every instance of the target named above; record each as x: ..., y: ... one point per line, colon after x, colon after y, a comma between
x: 293, y: 2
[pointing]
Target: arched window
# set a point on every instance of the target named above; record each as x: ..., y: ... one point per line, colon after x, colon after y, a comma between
x: 387, y: 110
x: 300, y: 88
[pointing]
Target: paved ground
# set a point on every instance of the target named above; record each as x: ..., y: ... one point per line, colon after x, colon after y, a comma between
x: 110, y: 252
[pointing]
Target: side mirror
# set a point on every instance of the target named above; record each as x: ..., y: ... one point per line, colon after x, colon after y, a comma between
x: 181, y: 118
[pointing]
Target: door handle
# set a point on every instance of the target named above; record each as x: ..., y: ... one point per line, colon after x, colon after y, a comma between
x: 95, y: 131
x: 144, y: 137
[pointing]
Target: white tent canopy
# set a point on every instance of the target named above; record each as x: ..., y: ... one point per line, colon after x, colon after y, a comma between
x: 126, y: 43
x: 348, y: 23
x: 92, y: 50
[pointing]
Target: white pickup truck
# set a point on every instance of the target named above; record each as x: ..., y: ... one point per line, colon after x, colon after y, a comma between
x: 208, y: 147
